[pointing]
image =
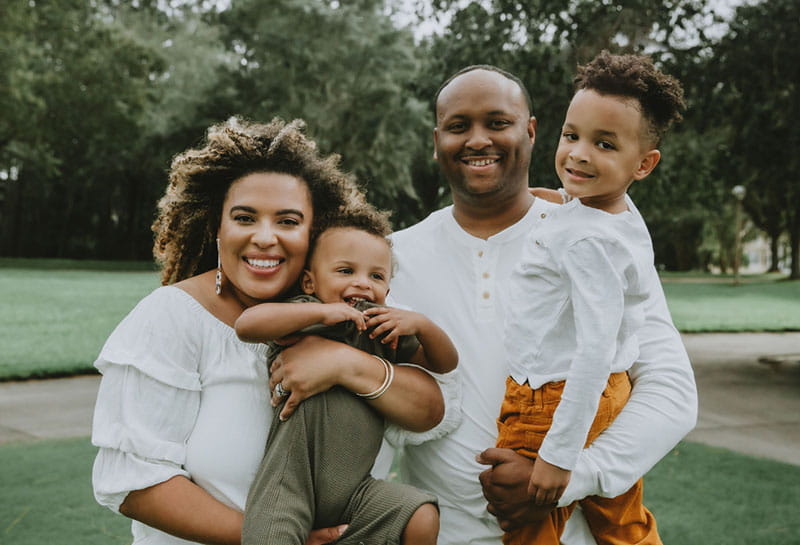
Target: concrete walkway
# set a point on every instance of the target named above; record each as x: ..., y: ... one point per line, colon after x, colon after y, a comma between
x: 746, y: 405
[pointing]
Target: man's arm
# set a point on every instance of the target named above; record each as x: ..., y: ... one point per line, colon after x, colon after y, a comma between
x: 662, y: 409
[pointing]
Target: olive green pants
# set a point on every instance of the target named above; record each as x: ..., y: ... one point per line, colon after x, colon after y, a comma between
x: 315, y: 474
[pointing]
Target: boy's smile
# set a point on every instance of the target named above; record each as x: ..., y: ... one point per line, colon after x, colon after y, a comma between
x: 603, y: 149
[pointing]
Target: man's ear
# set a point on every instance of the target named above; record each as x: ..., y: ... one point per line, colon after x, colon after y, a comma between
x: 532, y: 130
x: 435, y: 143
x: 307, y: 282
x: 647, y: 164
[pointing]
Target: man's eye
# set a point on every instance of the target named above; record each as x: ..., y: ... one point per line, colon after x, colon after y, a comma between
x: 499, y: 123
x: 457, y: 127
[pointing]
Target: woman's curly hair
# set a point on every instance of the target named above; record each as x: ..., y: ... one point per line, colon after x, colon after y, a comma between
x: 635, y: 76
x: 190, y: 211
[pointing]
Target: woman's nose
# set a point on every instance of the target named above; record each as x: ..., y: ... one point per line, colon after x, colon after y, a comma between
x: 265, y: 235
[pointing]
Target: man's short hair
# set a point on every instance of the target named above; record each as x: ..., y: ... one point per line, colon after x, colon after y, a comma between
x: 490, y: 68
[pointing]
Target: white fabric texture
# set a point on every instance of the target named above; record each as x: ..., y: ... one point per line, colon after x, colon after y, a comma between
x: 462, y: 283
x: 580, y: 287
x: 180, y: 395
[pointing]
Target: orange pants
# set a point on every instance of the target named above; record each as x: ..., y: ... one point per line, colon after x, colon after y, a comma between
x: 524, y: 420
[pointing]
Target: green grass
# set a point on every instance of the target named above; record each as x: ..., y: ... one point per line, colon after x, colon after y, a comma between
x: 46, y: 497
x: 698, y: 494
x: 702, y: 303
x: 53, y: 321
x: 56, y: 314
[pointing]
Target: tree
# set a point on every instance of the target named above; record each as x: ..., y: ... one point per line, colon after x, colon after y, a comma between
x: 345, y: 69
x: 757, y: 67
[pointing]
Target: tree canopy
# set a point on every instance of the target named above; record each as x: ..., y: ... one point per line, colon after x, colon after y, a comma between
x: 97, y: 96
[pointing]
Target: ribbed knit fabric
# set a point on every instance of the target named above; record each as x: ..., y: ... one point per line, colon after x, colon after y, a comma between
x: 315, y: 474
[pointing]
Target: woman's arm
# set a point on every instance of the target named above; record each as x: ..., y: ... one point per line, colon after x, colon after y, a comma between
x: 314, y: 365
x: 181, y: 508
x: 269, y: 321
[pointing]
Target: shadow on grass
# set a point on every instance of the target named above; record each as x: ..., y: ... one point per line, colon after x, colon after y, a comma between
x: 699, y: 495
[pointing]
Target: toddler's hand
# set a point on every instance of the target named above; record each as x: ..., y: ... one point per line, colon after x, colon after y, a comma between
x: 395, y: 321
x: 341, y: 312
x: 547, y: 482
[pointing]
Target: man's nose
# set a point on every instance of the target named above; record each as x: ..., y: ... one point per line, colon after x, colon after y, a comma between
x: 478, y: 139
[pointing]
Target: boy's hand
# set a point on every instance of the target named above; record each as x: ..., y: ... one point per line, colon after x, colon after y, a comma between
x: 333, y: 313
x: 394, y: 320
x: 547, y: 482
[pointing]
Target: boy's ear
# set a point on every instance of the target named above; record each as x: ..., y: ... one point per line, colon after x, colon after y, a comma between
x: 307, y: 282
x: 647, y: 164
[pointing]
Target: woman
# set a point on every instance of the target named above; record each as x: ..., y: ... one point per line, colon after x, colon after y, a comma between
x: 183, y: 408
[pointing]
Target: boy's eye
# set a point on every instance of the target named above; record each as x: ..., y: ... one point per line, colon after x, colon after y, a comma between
x: 344, y: 270
x: 377, y: 276
x: 603, y: 144
x: 571, y: 136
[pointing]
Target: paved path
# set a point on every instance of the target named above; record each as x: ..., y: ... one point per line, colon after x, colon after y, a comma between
x: 745, y: 405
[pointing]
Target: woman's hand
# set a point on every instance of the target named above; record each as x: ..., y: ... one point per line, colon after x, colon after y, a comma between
x: 314, y: 364
x: 306, y: 368
x: 325, y: 535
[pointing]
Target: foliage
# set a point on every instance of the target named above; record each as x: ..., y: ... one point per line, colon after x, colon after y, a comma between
x: 97, y: 96
x: 757, y: 67
x: 314, y: 60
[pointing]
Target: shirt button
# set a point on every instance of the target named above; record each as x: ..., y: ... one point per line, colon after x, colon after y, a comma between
x: 486, y: 295
x: 538, y: 243
x: 486, y: 275
x: 543, y: 215
x: 480, y: 253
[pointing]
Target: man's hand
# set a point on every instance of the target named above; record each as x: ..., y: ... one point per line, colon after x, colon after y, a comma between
x: 505, y: 487
x: 547, y: 482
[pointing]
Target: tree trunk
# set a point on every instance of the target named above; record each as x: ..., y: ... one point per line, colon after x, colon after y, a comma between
x: 774, y: 241
x: 794, y: 240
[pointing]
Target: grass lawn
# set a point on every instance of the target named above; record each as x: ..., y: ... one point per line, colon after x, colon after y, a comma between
x: 698, y: 494
x: 53, y: 321
x: 56, y: 314
x: 703, y: 303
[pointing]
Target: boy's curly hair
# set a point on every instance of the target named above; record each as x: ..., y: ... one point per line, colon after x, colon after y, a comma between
x: 190, y: 211
x: 359, y: 215
x: 635, y: 76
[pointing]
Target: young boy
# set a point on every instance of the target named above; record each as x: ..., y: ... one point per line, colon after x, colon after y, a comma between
x: 327, y: 448
x: 588, y: 262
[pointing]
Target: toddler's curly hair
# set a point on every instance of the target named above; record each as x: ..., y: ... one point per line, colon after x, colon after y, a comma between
x: 190, y: 211
x: 634, y: 76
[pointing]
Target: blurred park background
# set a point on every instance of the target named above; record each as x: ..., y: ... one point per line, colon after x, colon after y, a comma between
x: 97, y: 96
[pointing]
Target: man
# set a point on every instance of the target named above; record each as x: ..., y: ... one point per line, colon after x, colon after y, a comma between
x: 454, y: 267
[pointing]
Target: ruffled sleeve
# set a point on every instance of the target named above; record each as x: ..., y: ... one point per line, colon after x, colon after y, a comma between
x: 450, y: 385
x: 148, y: 398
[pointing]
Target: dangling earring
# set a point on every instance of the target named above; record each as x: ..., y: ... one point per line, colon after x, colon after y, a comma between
x: 218, y: 278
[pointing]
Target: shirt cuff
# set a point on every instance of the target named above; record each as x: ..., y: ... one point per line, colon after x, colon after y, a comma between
x: 583, y: 482
x: 450, y: 385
